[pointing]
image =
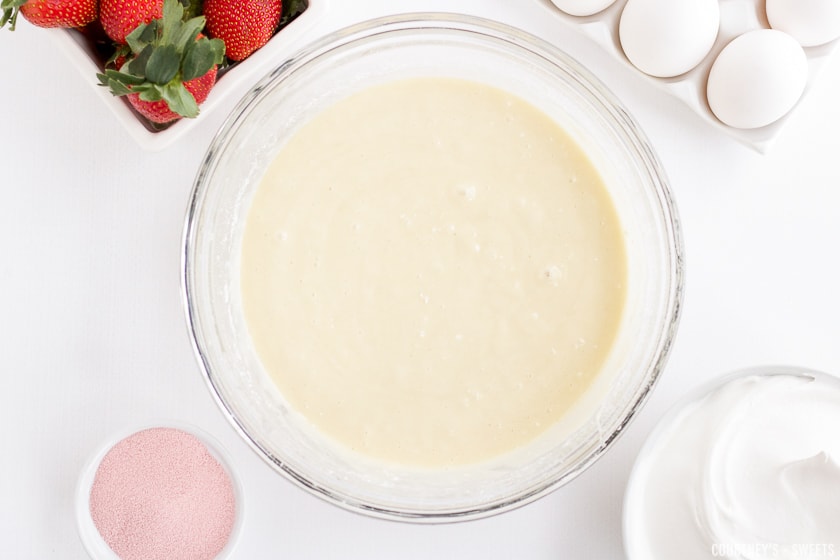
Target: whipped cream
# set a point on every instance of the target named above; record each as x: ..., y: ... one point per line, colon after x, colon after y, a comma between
x: 750, y: 470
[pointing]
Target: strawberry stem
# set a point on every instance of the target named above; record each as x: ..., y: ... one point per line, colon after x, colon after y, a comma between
x: 10, y: 10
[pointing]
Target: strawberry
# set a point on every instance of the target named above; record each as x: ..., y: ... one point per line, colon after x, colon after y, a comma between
x: 171, y: 67
x: 50, y: 13
x: 159, y: 111
x: 121, y: 17
x: 244, y: 25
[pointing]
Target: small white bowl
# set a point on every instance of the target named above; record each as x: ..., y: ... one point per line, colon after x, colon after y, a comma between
x: 92, y: 540
x: 635, y: 546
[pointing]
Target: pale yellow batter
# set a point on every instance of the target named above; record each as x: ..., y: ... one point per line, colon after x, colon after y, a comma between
x: 432, y: 272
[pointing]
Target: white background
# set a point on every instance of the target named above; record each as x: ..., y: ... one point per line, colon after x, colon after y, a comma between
x: 93, y: 341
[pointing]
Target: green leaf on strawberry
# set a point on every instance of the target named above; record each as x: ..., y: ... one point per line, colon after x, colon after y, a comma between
x: 180, y: 100
x: 173, y: 15
x: 172, y: 66
x: 121, y: 83
x: 137, y: 66
x: 200, y: 57
x: 144, y: 35
x: 10, y: 10
x: 163, y: 64
x: 149, y: 94
x: 188, y: 32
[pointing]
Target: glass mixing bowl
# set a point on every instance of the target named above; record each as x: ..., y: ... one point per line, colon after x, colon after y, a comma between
x: 441, y: 45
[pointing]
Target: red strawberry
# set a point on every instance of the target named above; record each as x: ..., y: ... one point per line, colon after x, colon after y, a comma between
x: 244, y: 25
x: 121, y: 17
x: 159, y: 111
x: 50, y: 13
x: 171, y: 66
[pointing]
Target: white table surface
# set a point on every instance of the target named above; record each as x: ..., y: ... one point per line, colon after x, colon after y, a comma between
x: 93, y: 340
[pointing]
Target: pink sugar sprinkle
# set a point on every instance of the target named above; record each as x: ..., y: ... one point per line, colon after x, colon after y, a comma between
x: 160, y: 495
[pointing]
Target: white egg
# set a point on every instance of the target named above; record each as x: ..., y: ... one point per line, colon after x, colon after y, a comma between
x: 811, y: 22
x: 666, y: 38
x: 583, y: 7
x: 757, y: 78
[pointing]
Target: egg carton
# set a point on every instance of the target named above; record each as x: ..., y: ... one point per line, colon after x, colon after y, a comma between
x: 232, y: 82
x: 736, y: 17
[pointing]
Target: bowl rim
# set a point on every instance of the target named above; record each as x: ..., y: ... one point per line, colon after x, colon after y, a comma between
x: 626, y: 125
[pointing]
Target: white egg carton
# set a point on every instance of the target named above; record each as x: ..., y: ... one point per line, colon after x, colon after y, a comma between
x: 234, y: 82
x: 736, y: 17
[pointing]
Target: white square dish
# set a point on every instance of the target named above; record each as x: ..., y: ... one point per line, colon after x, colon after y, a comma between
x: 239, y: 77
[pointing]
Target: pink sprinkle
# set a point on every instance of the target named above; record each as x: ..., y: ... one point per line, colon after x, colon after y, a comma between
x: 160, y: 495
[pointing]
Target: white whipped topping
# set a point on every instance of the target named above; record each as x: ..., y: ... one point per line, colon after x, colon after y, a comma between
x: 750, y: 470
